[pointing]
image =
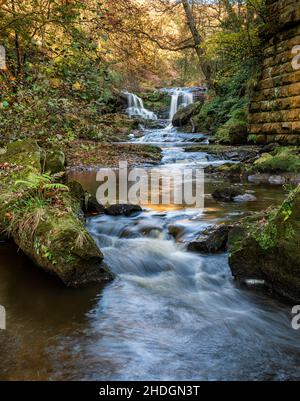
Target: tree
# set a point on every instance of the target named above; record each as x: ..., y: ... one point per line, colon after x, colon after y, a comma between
x: 198, y: 41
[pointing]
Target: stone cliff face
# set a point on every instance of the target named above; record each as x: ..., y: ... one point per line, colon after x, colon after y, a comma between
x: 275, y: 106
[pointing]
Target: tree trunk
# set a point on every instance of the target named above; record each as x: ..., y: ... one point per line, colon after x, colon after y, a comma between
x: 17, y: 45
x: 205, y: 68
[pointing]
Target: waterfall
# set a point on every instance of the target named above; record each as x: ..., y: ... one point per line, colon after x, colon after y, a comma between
x: 188, y: 98
x: 136, y: 107
x: 181, y: 97
x: 174, y: 104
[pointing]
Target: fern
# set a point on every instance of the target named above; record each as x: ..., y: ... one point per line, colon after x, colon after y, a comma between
x: 35, y: 181
x: 56, y: 187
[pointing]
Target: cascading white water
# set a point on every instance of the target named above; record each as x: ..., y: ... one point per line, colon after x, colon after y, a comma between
x: 187, y: 98
x: 136, y: 107
x: 174, y: 104
x: 180, y: 98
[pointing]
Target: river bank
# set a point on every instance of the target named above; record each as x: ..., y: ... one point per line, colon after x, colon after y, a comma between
x: 206, y: 323
x: 91, y: 154
x: 106, y: 332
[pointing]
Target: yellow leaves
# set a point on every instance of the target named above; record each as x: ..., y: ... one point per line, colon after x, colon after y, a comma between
x: 76, y: 86
x: 55, y: 83
x: 8, y: 216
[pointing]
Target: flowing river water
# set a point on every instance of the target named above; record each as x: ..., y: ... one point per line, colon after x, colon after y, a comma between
x: 169, y: 314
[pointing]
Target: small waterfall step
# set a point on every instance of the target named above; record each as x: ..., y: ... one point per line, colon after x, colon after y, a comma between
x: 180, y: 97
x: 136, y: 107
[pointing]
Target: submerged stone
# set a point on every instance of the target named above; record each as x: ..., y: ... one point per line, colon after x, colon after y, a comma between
x: 226, y: 193
x: 244, y: 198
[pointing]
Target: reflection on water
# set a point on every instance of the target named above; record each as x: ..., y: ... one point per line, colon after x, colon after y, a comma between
x: 169, y: 314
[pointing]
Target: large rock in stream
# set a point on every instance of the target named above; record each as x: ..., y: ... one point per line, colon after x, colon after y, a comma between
x: 211, y: 240
x: 184, y: 114
x: 227, y: 193
x: 43, y: 218
x: 267, y: 247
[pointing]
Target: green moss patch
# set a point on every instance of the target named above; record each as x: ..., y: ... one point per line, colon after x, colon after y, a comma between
x: 38, y: 212
x: 282, y: 160
x: 266, y: 246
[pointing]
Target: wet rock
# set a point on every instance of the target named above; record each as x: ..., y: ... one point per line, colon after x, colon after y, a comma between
x: 226, y: 194
x: 212, y: 240
x: 93, y: 206
x: 122, y: 210
x: 265, y: 247
x: 137, y: 133
x: 77, y: 192
x: 245, y: 198
x: 184, y: 114
x: 232, y: 155
x: 269, y: 148
x: 153, y: 124
x: 259, y: 178
x: 295, y: 179
x: 118, y: 102
x: 277, y: 180
x: 175, y: 231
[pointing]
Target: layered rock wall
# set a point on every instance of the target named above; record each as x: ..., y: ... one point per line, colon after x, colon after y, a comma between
x: 275, y: 106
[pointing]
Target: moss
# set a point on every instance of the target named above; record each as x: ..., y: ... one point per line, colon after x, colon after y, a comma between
x: 113, y: 127
x: 90, y: 153
x: 232, y: 132
x: 283, y: 160
x: 53, y: 160
x: 266, y: 235
x: 184, y: 114
x: 41, y: 216
x: 156, y: 101
x: 23, y: 153
x: 267, y: 247
x: 252, y: 138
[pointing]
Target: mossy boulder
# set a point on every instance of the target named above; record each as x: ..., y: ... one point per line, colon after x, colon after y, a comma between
x: 61, y: 245
x: 157, y: 101
x: 53, y: 161
x: 25, y: 153
x: 281, y: 160
x: 184, y: 114
x: 267, y: 247
x: 43, y: 218
x: 233, y: 132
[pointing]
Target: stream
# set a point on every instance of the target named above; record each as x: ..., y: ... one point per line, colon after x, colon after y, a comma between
x: 169, y: 314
